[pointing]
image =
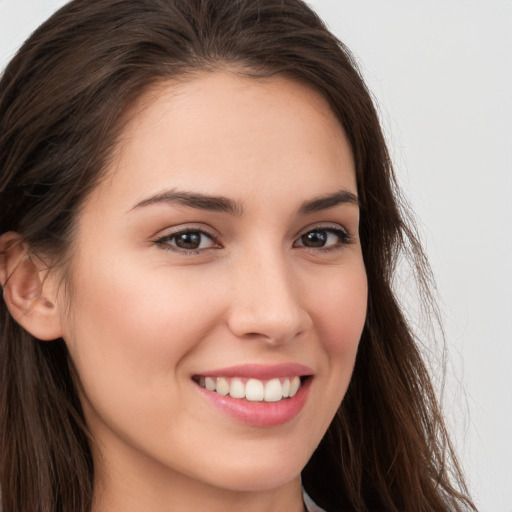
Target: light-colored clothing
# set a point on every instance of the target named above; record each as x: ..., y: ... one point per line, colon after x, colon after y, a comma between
x: 311, y: 506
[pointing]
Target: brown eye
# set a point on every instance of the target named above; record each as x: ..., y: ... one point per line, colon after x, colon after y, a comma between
x: 187, y: 240
x: 324, y: 238
x: 317, y: 238
x: 190, y: 240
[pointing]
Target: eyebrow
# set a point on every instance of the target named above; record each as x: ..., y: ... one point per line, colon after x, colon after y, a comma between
x: 194, y: 200
x: 329, y: 201
x: 226, y: 205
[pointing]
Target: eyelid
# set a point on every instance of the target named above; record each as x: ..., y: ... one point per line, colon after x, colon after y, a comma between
x: 345, y: 236
x: 335, y: 226
x: 163, y: 239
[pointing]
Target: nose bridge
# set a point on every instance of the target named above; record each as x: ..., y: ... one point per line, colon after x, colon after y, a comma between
x: 266, y: 301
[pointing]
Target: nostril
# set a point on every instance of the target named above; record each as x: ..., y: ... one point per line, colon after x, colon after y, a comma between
x: 268, y: 324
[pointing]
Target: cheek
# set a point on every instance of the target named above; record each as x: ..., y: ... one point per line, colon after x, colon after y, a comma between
x: 137, y: 324
x: 339, y: 316
x: 340, y: 312
x: 130, y: 336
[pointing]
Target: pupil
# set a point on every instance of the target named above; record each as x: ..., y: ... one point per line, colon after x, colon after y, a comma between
x: 315, y: 238
x: 188, y: 240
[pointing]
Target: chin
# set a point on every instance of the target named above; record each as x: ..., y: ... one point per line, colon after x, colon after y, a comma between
x: 248, y: 475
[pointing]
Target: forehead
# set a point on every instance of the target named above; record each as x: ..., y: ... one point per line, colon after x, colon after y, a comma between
x: 222, y: 130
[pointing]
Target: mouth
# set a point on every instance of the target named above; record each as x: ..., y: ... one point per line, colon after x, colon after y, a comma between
x: 257, y: 395
x: 253, y: 389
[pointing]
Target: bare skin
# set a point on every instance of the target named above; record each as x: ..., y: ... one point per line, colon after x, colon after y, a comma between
x: 274, y: 278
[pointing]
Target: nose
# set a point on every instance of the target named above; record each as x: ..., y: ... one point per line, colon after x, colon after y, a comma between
x: 266, y: 303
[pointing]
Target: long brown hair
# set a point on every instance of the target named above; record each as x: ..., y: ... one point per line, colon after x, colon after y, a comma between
x: 61, y: 101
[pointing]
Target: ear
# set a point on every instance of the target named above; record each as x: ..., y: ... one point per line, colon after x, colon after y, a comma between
x: 29, y: 296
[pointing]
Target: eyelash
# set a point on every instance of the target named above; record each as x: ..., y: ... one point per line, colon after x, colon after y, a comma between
x: 164, y: 241
x: 344, y: 238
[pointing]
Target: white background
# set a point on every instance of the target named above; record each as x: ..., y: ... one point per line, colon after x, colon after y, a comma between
x: 441, y: 72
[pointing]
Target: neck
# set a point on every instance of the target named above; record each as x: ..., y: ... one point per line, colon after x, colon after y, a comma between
x: 177, y: 496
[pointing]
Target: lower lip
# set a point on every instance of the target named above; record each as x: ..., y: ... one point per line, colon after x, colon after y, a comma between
x: 260, y: 414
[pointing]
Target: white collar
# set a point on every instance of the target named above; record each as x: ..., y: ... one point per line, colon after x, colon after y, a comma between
x: 311, y: 506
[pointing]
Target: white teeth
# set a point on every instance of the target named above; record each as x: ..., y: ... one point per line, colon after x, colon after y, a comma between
x: 222, y: 386
x: 209, y: 383
x: 237, y: 389
x: 286, y: 388
x: 273, y: 391
x: 253, y: 390
x: 294, y: 386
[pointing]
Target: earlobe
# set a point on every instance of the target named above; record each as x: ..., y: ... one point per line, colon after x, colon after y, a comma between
x: 27, y: 294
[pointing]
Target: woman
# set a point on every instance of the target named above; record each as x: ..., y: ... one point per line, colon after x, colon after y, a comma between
x: 199, y: 230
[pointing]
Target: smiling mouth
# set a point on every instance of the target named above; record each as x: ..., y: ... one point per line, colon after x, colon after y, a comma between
x: 252, y: 389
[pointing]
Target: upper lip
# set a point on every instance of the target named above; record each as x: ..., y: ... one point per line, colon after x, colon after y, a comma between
x: 261, y: 371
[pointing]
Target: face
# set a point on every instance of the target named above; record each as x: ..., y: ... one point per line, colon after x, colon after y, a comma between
x: 221, y: 251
